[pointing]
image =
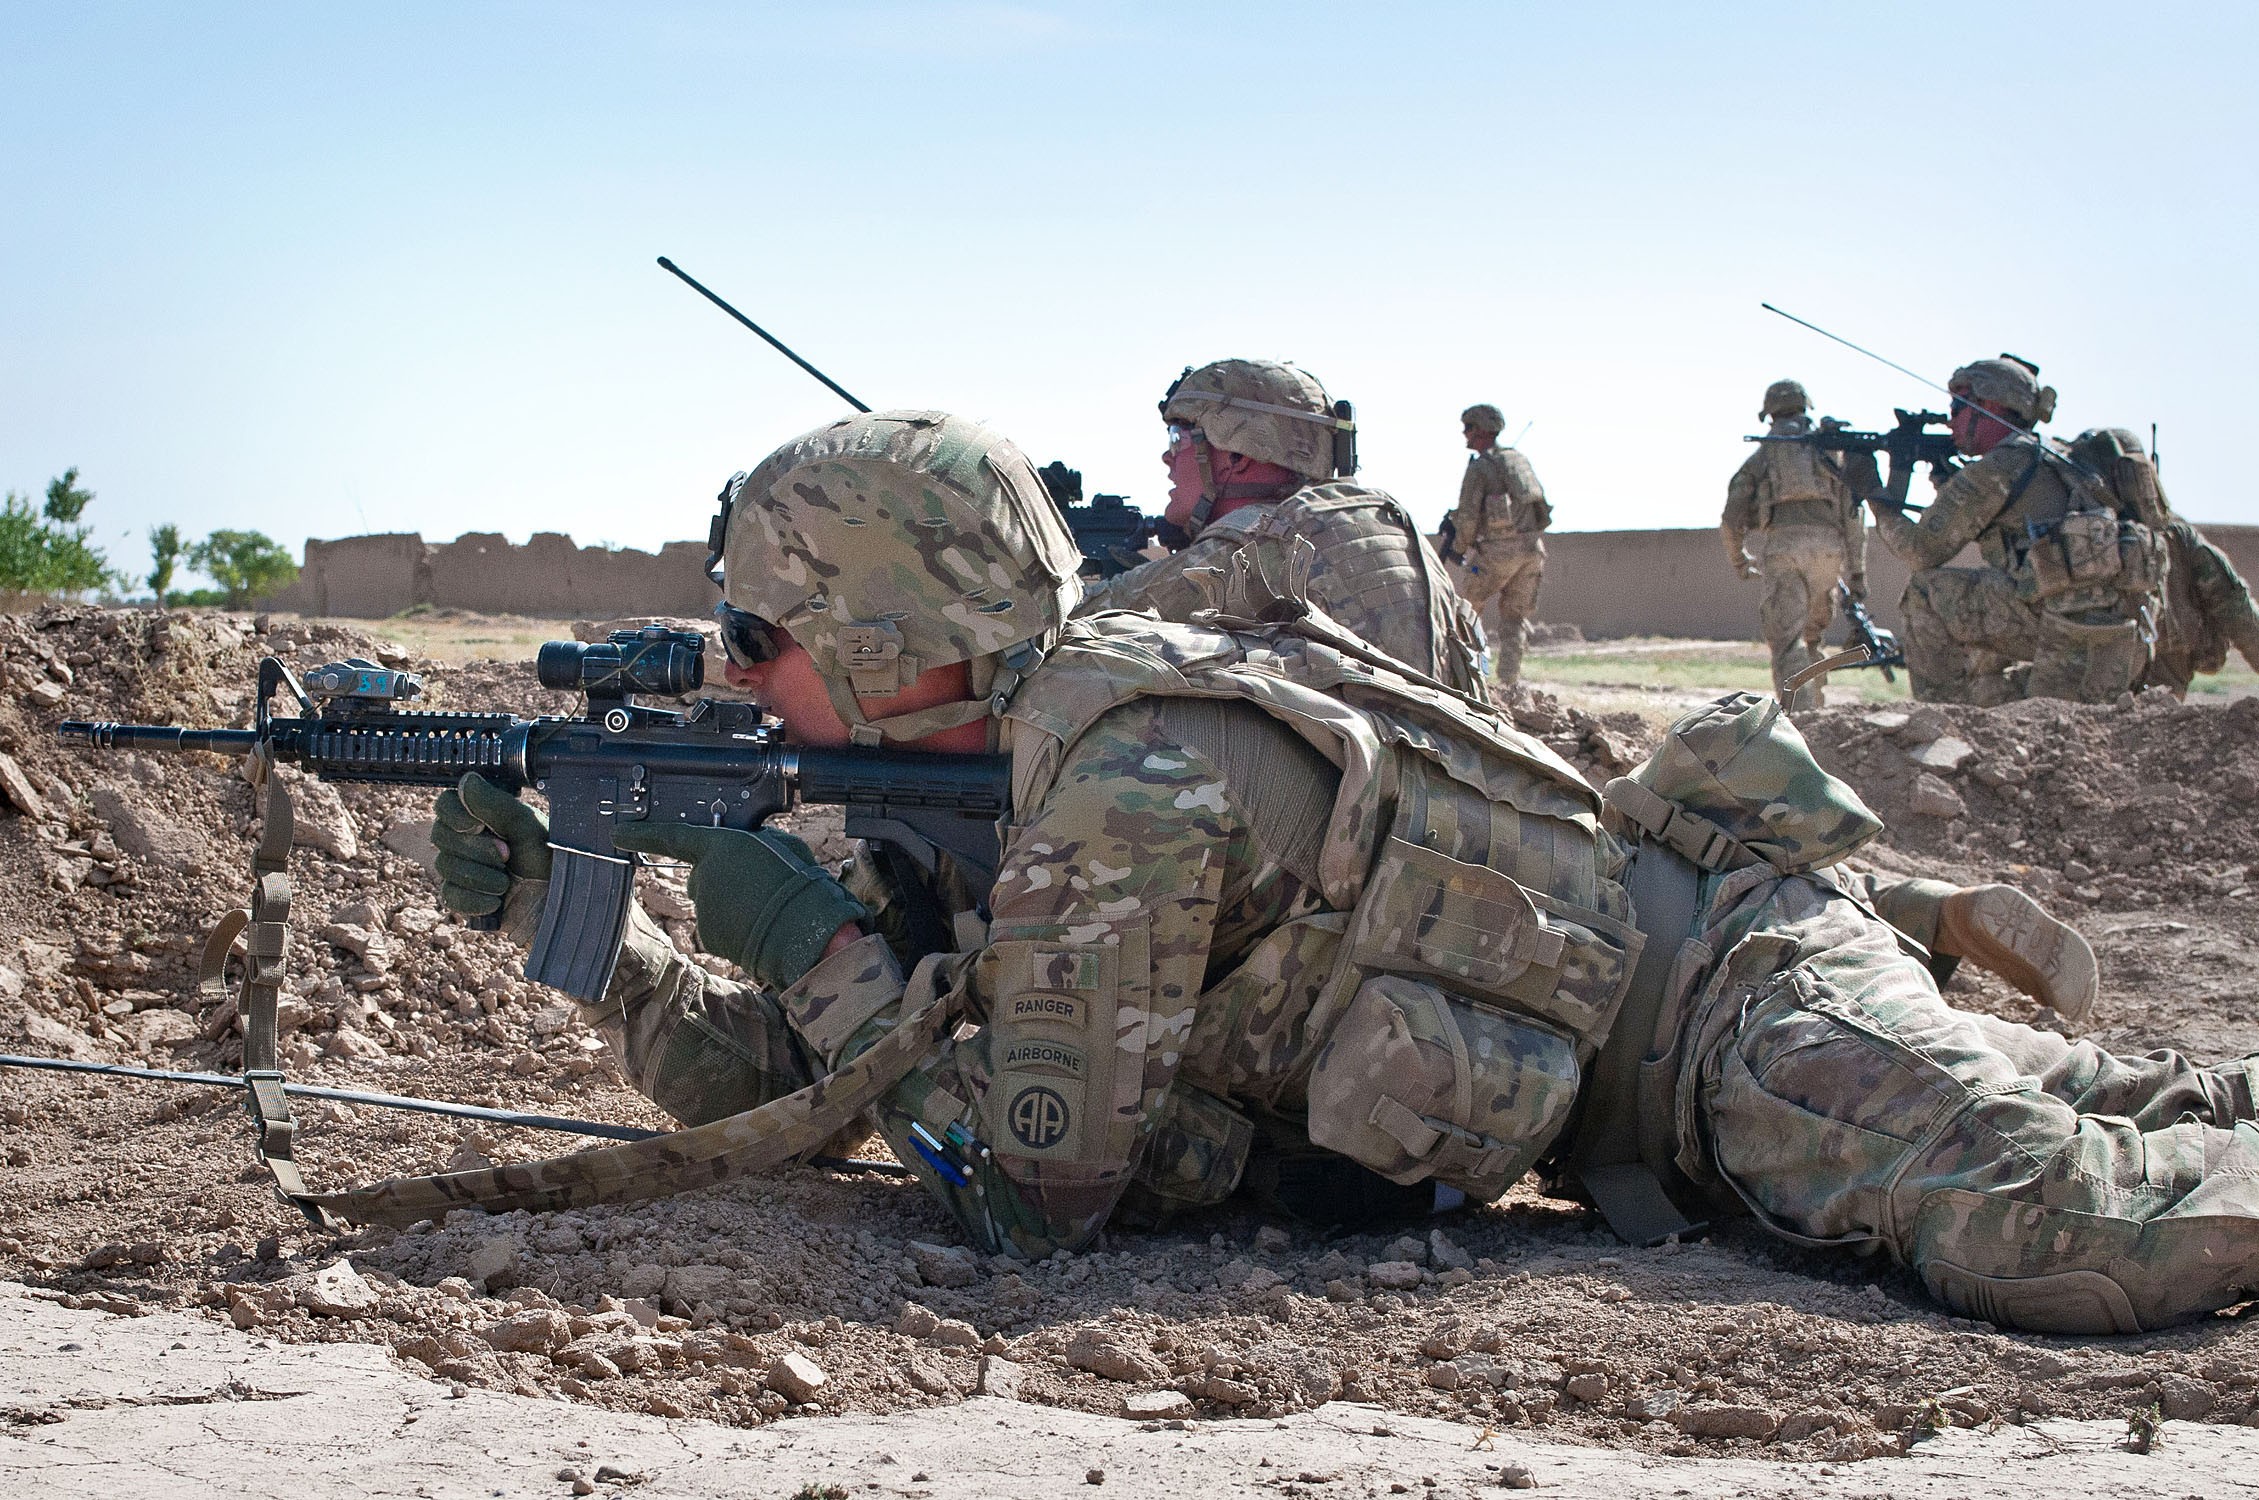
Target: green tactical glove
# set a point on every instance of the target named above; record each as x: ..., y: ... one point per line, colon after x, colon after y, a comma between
x: 763, y: 902
x: 493, y: 855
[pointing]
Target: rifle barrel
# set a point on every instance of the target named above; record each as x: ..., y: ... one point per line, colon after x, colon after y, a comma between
x: 105, y: 735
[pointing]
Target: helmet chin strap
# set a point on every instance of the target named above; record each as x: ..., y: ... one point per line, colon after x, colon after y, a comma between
x: 1197, y: 522
x: 1003, y: 670
x: 1211, y: 492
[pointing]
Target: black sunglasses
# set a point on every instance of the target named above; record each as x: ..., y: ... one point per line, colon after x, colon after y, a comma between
x: 748, y: 639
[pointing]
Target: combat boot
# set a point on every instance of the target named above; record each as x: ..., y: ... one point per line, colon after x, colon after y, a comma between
x: 2000, y: 928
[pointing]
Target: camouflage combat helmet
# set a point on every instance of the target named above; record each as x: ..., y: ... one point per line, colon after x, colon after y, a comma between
x: 2010, y: 382
x: 1785, y: 398
x: 1259, y: 407
x: 1483, y: 418
x: 1743, y: 772
x: 897, y: 541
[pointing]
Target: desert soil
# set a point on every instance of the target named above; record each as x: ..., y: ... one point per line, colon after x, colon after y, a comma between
x: 844, y: 1292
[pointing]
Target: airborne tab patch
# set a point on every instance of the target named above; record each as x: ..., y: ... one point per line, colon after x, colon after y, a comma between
x: 1038, y: 1053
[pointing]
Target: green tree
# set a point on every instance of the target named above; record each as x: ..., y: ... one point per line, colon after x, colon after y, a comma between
x: 66, y: 498
x: 244, y: 563
x: 45, y: 551
x: 165, y: 548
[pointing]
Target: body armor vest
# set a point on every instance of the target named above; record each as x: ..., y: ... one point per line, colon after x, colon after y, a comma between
x: 1799, y: 487
x: 1378, y: 578
x: 1437, y: 1019
x: 2067, y: 541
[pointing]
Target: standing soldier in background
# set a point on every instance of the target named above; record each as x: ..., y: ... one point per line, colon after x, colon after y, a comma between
x: 1252, y: 446
x: 1809, y: 533
x: 2071, y: 569
x: 1496, y: 537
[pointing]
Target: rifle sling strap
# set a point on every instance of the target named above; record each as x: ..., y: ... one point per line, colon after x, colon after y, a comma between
x: 769, y: 1135
x: 263, y: 928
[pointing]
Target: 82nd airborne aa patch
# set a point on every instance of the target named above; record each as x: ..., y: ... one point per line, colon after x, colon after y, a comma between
x: 1039, y: 1117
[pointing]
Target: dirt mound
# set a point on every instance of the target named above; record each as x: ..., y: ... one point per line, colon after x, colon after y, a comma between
x: 1600, y: 746
x: 2146, y: 803
x: 837, y: 1291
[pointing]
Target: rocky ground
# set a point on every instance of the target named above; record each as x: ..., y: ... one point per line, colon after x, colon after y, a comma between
x: 843, y: 1291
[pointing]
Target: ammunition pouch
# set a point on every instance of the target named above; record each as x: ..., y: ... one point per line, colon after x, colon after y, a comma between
x: 2090, y: 560
x: 1417, y: 1082
x: 1473, y: 1004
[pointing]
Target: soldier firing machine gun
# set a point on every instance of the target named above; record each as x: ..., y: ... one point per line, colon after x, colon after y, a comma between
x: 1112, y: 534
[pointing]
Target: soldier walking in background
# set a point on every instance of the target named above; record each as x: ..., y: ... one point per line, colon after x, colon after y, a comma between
x: 1803, y: 514
x: 1257, y: 453
x: 1496, y: 536
x: 2071, y: 573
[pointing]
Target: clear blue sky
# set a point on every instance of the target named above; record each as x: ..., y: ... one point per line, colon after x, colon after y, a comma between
x: 321, y: 269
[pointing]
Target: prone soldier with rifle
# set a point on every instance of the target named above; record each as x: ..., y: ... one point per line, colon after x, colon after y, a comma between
x: 1263, y: 910
x: 1271, y: 912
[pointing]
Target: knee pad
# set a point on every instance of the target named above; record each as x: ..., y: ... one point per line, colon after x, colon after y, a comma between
x: 2056, y: 1270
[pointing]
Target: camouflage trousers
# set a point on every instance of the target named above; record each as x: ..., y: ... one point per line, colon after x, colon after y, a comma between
x: 2029, y: 1179
x: 1967, y: 628
x: 1508, y: 570
x: 1799, y: 566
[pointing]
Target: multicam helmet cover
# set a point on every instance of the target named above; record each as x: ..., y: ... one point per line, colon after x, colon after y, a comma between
x: 2009, y: 382
x: 1259, y: 407
x: 897, y: 541
x: 1483, y: 417
x: 1785, y: 398
x: 1741, y: 766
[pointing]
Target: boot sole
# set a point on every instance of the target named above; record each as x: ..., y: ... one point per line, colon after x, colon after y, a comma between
x: 2006, y: 931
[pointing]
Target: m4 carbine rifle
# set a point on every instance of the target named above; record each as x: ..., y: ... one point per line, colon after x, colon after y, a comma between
x: 1881, y: 645
x: 619, y: 763
x: 1907, y: 444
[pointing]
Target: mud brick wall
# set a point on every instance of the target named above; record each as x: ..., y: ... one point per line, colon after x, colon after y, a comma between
x: 548, y: 577
x: 1606, y: 583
